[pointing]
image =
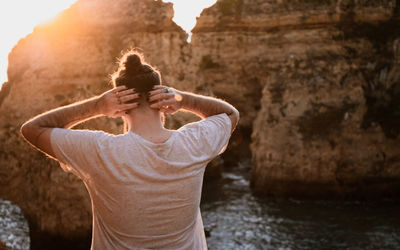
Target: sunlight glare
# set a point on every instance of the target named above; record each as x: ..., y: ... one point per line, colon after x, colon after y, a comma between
x: 186, y: 12
x: 19, y: 17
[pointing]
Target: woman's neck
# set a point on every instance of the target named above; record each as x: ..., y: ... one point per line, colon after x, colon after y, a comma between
x: 145, y: 121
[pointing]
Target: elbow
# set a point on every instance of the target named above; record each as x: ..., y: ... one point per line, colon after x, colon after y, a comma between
x: 234, y: 116
x: 237, y: 115
x: 24, y: 129
x: 27, y: 131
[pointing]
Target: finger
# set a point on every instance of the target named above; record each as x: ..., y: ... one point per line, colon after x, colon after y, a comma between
x: 126, y: 92
x: 116, y: 100
x: 128, y: 106
x: 130, y: 97
x: 161, y: 96
x: 169, y: 110
x: 157, y: 91
x: 165, y: 102
x: 159, y: 87
x: 119, y: 113
x: 119, y: 88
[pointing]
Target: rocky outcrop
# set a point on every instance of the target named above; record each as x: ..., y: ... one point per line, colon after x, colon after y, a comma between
x: 14, y: 230
x: 316, y: 82
x: 65, y: 61
x: 329, y: 118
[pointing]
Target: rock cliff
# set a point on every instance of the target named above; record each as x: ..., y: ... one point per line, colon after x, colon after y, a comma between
x: 316, y: 82
x: 329, y: 117
x: 65, y: 61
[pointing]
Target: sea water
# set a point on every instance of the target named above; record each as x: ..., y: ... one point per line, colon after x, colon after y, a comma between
x: 235, y: 219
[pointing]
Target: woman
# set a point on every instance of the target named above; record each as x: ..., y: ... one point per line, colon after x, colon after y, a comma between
x: 145, y: 184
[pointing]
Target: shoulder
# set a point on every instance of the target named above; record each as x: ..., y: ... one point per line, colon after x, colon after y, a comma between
x: 220, y: 120
x: 209, y: 135
x: 84, y: 136
x: 78, y: 132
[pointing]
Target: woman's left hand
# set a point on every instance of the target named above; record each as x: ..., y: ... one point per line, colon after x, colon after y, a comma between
x: 114, y: 102
x: 166, y: 99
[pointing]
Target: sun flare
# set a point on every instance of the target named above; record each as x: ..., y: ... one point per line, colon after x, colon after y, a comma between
x: 19, y: 17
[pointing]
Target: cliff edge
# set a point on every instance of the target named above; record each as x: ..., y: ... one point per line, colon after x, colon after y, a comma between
x: 317, y: 84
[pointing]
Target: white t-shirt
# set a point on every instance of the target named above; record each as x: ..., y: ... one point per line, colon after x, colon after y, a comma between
x: 144, y: 195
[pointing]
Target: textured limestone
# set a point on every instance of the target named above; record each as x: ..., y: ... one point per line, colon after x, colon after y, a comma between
x: 316, y: 82
x: 66, y: 61
x: 329, y: 115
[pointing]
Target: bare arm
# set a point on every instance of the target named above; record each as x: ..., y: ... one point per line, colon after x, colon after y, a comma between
x: 37, y: 130
x: 205, y: 106
x: 200, y: 105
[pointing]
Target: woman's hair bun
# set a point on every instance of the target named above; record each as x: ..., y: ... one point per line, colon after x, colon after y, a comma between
x: 134, y: 72
x: 133, y: 63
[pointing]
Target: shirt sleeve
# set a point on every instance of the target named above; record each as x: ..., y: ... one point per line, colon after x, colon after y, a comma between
x: 76, y: 150
x: 211, y: 135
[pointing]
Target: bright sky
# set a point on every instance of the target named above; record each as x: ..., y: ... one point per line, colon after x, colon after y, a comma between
x: 186, y: 11
x: 19, y: 17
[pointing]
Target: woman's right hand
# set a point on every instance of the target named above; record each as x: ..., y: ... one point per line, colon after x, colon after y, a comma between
x: 115, y: 102
x: 166, y: 99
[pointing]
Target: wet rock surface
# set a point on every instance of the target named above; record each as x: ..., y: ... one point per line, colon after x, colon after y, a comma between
x: 14, y: 229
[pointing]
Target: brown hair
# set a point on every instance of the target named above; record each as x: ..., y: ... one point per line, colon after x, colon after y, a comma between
x: 134, y: 72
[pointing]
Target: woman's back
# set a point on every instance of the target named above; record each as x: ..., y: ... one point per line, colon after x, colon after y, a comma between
x: 145, y: 194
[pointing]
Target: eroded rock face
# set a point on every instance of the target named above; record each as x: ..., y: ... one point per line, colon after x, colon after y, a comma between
x: 61, y: 63
x: 316, y: 82
x: 329, y: 115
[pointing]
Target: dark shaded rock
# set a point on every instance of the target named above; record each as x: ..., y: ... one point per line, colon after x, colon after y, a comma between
x: 3, y: 246
x: 14, y: 230
x: 329, y: 117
